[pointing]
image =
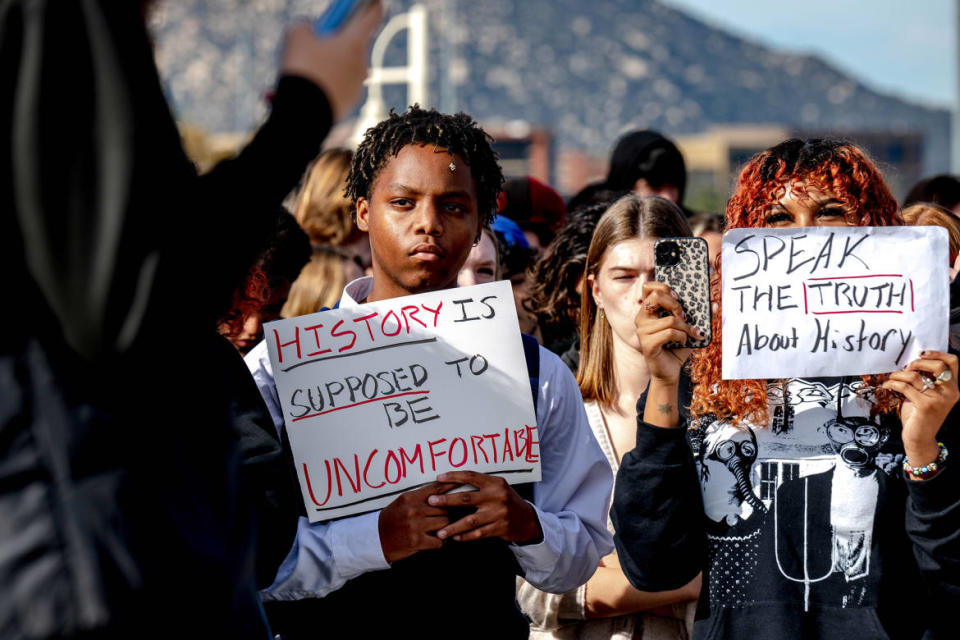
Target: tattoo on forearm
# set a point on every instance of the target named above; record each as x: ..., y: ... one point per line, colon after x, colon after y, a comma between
x: 665, y: 408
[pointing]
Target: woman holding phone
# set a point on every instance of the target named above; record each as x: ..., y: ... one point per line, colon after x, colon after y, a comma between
x: 815, y: 508
x: 612, y: 375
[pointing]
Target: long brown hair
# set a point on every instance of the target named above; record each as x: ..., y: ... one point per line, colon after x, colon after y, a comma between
x: 629, y: 217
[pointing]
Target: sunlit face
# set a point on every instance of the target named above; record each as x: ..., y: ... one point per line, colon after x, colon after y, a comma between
x: 481, y: 264
x: 617, y: 286
x: 422, y: 220
x: 806, y: 206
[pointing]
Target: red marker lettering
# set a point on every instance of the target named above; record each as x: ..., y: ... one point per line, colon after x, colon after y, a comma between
x: 531, y: 440
x: 492, y: 437
x: 409, y: 313
x: 450, y: 453
x: 435, y: 312
x: 383, y: 324
x: 477, y: 441
x: 506, y: 445
x: 366, y: 468
x: 338, y: 465
x: 396, y: 463
x: 280, y: 346
x: 417, y: 455
x: 306, y: 476
x: 367, y: 320
x: 433, y: 454
x: 352, y: 334
x: 316, y: 337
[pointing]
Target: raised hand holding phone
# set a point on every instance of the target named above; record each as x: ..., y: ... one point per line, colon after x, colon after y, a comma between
x: 336, y: 62
x: 683, y: 264
x: 338, y: 13
x: 663, y: 329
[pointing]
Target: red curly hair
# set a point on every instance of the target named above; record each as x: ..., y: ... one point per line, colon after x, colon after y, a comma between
x: 828, y: 166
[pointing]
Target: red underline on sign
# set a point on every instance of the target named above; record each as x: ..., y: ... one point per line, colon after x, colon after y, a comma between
x: 911, y: 294
x: 357, y: 404
x: 827, y: 313
x: 805, y: 309
x: 411, y: 488
x: 878, y: 275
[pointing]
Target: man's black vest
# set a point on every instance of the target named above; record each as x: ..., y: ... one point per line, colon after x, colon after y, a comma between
x: 462, y: 590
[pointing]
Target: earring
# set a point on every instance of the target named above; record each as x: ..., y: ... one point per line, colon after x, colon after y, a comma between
x: 600, y: 313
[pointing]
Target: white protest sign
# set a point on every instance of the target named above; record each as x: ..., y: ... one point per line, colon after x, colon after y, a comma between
x: 379, y: 399
x: 831, y: 301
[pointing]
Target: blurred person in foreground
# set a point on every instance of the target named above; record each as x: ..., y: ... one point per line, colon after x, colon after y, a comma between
x: 121, y: 508
x: 324, y: 211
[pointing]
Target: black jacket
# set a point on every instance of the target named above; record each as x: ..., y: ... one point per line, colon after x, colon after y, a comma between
x: 121, y: 512
x: 797, y: 536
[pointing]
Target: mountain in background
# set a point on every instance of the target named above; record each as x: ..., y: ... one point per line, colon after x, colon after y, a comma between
x: 587, y: 71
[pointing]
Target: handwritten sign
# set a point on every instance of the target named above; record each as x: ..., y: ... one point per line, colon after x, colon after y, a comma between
x: 379, y: 399
x: 830, y: 301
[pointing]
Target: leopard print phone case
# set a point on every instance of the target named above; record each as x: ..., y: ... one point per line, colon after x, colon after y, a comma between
x: 683, y: 264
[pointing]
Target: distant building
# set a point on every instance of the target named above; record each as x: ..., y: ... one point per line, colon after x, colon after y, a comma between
x: 524, y: 150
x: 714, y: 158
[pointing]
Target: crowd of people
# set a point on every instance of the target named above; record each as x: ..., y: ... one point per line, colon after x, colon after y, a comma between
x: 150, y: 492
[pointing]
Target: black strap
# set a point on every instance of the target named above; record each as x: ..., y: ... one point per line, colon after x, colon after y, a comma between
x: 531, y: 353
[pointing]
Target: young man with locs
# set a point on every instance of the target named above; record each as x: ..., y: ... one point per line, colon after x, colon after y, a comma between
x: 433, y: 563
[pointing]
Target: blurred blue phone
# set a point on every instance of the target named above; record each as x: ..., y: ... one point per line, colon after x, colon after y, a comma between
x: 338, y: 14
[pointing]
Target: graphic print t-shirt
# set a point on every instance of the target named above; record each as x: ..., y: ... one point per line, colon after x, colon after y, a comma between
x: 792, y: 509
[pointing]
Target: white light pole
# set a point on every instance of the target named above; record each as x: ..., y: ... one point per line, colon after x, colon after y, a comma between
x: 414, y: 74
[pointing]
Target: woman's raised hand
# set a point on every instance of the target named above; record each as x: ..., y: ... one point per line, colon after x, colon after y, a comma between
x: 929, y: 389
x: 655, y: 331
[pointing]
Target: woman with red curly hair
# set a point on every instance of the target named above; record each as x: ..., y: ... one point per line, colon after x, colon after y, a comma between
x: 788, y: 494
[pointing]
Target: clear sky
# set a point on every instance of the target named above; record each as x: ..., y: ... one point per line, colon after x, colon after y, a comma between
x: 904, y: 47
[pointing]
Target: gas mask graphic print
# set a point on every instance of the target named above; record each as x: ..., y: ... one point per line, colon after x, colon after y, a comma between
x: 736, y: 450
x: 857, y: 441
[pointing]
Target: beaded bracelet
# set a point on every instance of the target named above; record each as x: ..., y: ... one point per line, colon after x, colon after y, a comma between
x: 927, y: 470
